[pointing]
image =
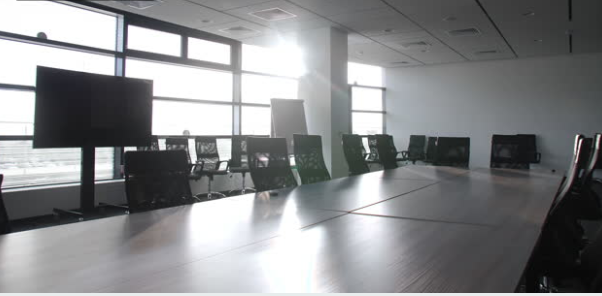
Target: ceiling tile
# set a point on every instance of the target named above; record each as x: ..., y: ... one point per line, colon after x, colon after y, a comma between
x: 587, y: 26
x: 376, y: 22
x: 337, y: 7
x: 532, y: 27
x: 221, y: 30
x: 178, y: 12
x: 222, y: 5
x: 375, y: 53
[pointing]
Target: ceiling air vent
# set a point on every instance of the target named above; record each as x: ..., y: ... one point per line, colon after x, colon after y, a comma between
x: 140, y: 4
x: 464, y: 32
x: 486, y: 52
x: 238, y: 31
x: 414, y: 44
x: 273, y: 14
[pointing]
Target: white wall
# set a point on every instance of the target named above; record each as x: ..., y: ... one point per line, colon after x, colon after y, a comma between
x: 553, y: 97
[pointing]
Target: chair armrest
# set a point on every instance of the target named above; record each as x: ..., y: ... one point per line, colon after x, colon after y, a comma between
x: 218, y: 165
x: 538, y: 157
x: 404, y: 154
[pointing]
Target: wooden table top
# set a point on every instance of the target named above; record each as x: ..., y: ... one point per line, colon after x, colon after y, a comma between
x: 473, y: 231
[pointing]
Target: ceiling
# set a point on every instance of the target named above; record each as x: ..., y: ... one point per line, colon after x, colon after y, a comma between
x: 402, y: 33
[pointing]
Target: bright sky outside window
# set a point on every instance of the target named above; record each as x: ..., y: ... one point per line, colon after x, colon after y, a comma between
x: 154, y: 41
x: 283, y: 61
x: 367, y: 75
x: 208, y: 51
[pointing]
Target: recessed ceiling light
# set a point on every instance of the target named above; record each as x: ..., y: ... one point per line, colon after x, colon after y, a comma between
x: 538, y: 40
x: 529, y: 13
x: 140, y: 4
x: 450, y: 19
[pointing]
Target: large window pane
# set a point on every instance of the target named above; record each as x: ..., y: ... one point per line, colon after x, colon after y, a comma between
x: 24, y: 166
x: 183, y: 82
x: 367, y: 123
x: 173, y: 118
x: 367, y: 99
x: 365, y: 75
x: 16, y: 112
x: 286, y: 61
x: 260, y: 89
x: 256, y: 120
x: 154, y: 41
x: 204, y: 50
x: 58, y: 22
x: 18, y: 61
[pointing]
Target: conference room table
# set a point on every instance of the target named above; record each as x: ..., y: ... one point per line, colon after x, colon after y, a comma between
x: 411, y: 229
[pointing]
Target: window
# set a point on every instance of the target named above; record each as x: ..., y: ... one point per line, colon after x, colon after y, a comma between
x: 182, y: 81
x: 367, y: 99
x: 366, y: 75
x: 154, y: 41
x: 260, y: 89
x: 19, y: 61
x: 283, y: 61
x: 16, y: 112
x: 204, y: 50
x: 24, y: 166
x: 60, y: 22
x: 256, y: 120
x: 173, y: 118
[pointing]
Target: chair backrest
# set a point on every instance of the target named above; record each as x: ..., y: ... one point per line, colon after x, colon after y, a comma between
x: 592, y: 162
x: 178, y: 144
x: 153, y: 147
x: 373, y: 147
x: 4, y: 221
x: 206, y: 152
x: 310, y: 159
x: 156, y: 179
x: 352, y: 149
x: 505, y: 150
x: 239, y: 151
x: 269, y: 163
x: 431, y: 149
x: 571, y: 175
x: 528, y: 149
x: 453, y: 151
x: 416, y: 148
x: 585, y: 153
x: 387, y: 152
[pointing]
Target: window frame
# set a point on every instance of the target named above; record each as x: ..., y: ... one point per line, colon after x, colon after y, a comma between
x: 384, y: 108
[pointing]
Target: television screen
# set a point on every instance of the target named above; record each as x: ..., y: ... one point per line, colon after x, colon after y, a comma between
x: 76, y: 109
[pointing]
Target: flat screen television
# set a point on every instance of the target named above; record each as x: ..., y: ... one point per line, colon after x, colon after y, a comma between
x: 76, y: 109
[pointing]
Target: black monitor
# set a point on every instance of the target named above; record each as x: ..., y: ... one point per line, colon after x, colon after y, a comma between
x: 76, y: 109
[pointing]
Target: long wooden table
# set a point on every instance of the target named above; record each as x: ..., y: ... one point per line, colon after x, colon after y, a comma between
x: 413, y: 229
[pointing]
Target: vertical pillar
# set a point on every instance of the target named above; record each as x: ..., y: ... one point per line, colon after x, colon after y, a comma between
x: 325, y: 91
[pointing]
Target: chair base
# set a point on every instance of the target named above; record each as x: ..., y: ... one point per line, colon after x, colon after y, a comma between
x: 210, y: 195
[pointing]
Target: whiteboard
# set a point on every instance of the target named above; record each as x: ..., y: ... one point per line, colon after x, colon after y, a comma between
x: 288, y: 118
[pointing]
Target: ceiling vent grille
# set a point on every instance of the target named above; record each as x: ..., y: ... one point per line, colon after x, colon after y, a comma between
x: 239, y: 31
x: 464, y: 32
x: 414, y: 44
x: 273, y: 14
x: 140, y: 4
x: 486, y: 52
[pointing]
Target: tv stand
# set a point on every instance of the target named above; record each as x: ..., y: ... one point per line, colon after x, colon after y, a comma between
x: 86, y: 189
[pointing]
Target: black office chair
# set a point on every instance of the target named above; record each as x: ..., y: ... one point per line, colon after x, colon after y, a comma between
x: 156, y: 179
x: 387, y: 153
x: 352, y: 149
x: 208, y: 163
x: 416, y: 149
x: 562, y: 236
x: 453, y: 152
x: 153, y: 147
x: 239, y: 162
x: 505, y: 151
x: 179, y: 144
x: 528, y: 152
x: 269, y: 163
x: 4, y: 221
x: 431, y: 150
x: 309, y: 159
